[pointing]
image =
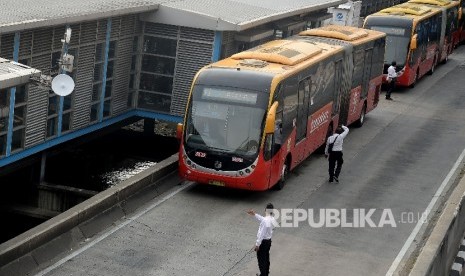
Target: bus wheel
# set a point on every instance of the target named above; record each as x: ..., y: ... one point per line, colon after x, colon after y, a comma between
x: 284, y: 174
x: 431, y: 71
x: 361, y: 120
x: 446, y: 59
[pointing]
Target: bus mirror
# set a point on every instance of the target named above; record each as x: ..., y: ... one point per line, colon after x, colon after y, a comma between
x: 413, y: 42
x: 270, y: 118
x: 179, y: 129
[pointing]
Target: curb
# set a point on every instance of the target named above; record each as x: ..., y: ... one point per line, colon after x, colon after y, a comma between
x: 36, y: 246
x: 459, y: 262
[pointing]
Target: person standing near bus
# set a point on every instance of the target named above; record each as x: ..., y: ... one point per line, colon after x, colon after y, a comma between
x: 263, y: 244
x: 335, y: 156
x: 392, y: 78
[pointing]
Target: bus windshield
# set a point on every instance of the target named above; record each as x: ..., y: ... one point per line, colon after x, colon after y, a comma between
x: 225, y: 119
x: 397, y: 43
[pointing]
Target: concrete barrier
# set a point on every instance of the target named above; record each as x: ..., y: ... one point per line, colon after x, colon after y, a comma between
x: 440, y: 249
x: 33, y: 248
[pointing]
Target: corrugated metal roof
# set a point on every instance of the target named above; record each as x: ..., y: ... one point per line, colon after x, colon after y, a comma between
x: 234, y: 15
x: 208, y: 14
x: 20, y: 14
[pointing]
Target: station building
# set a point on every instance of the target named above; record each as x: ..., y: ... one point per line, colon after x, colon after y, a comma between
x: 132, y: 59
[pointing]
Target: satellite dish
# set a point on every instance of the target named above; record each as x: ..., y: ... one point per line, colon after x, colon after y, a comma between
x: 62, y: 85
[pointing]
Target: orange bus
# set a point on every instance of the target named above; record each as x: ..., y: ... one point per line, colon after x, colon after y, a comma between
x: 413, y: 39
x: 253, y: 117
x: 450, y: 35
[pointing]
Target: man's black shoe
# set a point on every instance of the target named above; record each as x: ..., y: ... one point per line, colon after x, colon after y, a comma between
x: 389, y: 98
x: 330, y: 180
x: 336, y: 179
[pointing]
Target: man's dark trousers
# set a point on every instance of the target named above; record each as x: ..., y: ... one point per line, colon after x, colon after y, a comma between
x: 335, y: 160
x: 263, y: 256
x: 392, y: 86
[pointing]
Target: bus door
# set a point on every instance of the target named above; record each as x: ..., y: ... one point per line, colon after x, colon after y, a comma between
x: 367, y: 73
x: 302, y: 109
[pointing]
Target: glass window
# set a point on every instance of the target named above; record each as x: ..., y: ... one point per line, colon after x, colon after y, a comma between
x: 110, y: 68
x: 154, y: 101
x: 94, y: 112
x: 2, y: 145
x: 161, y: 46
x: 112, y: 49
x: 133, y: 63
x: 20, y: 95
x: 68, y: 102
x: 156, y: 83
x: 108, y: 88
x: 56, y: 60
x: 98, y: 72
x: 130, y: 96
x: 4, y: 98
x: 161, y: 65
x: 20, y: 116
x: 96, y: 92
x: 53, y: 105
x: 135, y: 44
x: 131, y: 81
x: 106, y: 108
x: 99, y: 52
x: 4, y: 109
x: 52, y: 126
x: 17, y: 142
x: 66, y: 122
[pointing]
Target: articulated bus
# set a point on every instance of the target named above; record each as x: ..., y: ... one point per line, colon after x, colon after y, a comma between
x: 450, y: 35
x: 413, y: 38
x: 253, y: 117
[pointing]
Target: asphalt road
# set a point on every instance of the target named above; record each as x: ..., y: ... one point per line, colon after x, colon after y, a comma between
x: 395, y: 163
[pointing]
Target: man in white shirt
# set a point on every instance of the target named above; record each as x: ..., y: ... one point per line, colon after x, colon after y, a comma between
x: 392, y: 78
x: 264, y: 234
x: 335, y: 155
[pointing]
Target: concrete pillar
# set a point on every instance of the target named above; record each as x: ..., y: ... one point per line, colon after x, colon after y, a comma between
x: 43, y: 161
x: 149, y: 126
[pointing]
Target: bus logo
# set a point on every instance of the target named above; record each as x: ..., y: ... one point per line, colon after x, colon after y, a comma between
x: 200, y: 154
x: 237, y: 159
x: 320, y: 120
x: 218, y: 165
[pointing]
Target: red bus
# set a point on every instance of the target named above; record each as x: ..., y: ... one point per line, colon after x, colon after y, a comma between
x: 413, y: 39
x: 253, y: 117
x: 450, y: 34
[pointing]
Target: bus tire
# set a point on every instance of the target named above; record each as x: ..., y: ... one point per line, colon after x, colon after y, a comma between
x: 431, y: 71
x: 361, y: 120
x: 284, y: 174
x: 446, y: 59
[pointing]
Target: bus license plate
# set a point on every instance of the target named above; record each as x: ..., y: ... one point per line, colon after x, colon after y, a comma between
x: 216, y: 183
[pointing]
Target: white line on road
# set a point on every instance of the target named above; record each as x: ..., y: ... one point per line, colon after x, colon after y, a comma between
x: 415, y: 231
x: 114, y: 229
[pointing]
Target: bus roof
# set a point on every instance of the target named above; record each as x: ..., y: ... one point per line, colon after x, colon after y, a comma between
x: 406, y: 9
x: 286, y: 52
x: 350, y: 34
x: 279, y: 56
x: 434, y: 2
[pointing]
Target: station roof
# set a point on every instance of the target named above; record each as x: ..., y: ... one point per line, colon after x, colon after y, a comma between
x: 220, y: 15
x: 233, y: 15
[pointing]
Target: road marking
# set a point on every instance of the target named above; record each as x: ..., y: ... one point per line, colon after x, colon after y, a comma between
x: 114, y: 229
x: 415, y: 231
